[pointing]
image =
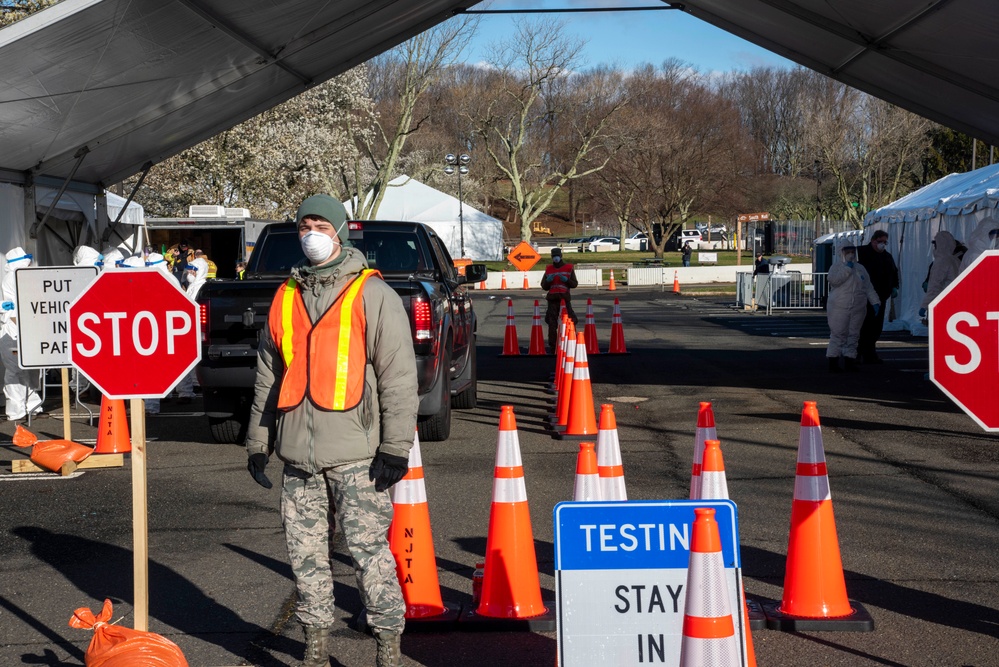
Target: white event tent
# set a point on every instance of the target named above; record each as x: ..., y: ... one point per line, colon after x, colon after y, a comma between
x: 412, y: 201
x: 955, y: 203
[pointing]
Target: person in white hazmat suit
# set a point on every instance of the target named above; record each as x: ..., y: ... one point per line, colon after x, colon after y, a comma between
x: 156, y: 261
x: 985, y: 237
x: 17, y: 388
x: 197, y: 274
x: 850, y: 291
x: 112, y: 256
x: 84, y: 255
x: 946, y: 265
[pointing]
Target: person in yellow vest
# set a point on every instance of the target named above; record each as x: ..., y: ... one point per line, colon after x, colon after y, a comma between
x: 559, y: 278
x: 212, y: 268
x: 336, y: 401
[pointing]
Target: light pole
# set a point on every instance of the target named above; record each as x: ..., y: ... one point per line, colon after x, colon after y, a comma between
x: 462, y: 161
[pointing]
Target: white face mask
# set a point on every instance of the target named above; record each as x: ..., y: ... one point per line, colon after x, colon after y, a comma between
x: 317, y: 246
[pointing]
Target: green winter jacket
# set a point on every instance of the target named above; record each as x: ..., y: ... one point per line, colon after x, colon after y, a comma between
x: 312, y: 439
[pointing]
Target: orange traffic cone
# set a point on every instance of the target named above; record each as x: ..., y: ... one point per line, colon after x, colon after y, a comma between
x: 612, y: 287
x: 511, y: 348
x: 482, y: 284
x: 587, y: 485
x: 582, y: 421
x: 592, y: 346
x: 676, y: 283
x: 412, y: 543
x: 537, y: 347
x: 559, y: 357
x: 526, y: 285
x: 705, y: 431
x: 814, y: 586
x: 511, y: 589
x: 565, y: 386
x: 503, y: 280
x: 112, y: 433
x: 617, y: 345
x: 609, y: 465
x: 709, y: 636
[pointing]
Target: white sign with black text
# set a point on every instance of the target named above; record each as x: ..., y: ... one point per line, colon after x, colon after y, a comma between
x: 43, y: 298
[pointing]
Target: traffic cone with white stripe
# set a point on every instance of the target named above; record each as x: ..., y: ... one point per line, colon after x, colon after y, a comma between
x: 511, y: 589
x: 814, y: 585
x: 709, y: 635
x: 412, y: 543
x: 511, y: 348
x: 612, y: 286
x: 705, y: 431
x: 582, y: 421
x: 676, y: 282
x: 609, y: 465
x: 526, y: 284
x: 565, y: 385
x: 587, y: 484
x: 617, y: 345
x: 503, y: 280
x: 590, y: 330
x: 537, y: 346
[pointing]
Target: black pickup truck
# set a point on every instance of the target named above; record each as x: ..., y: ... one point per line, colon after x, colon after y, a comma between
x: 412, y: 259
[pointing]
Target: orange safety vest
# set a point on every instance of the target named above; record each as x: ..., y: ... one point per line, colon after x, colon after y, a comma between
x: 558, y: 287
x: 325, y: 360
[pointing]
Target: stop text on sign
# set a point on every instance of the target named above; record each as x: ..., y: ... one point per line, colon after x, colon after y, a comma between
x: 143, y: 327
x: 974, y: 352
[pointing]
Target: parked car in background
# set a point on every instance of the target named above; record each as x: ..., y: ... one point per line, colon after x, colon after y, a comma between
x: 717, y: 229
x: 682, y: 236
x: 637, y: 241
x: 604, y: 244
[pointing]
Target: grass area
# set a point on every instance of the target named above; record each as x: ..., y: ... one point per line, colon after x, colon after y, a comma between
x: 627, y: 257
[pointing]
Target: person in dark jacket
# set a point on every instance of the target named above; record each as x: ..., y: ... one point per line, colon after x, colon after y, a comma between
x: 559, y: 278
x: 687, y: 252
x: 881, y: 268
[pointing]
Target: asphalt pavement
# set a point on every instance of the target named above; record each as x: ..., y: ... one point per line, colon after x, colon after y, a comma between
x: 914, y: 481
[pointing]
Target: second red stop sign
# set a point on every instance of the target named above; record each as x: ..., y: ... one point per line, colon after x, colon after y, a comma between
x: 964, y: 340
x: 134, y: 333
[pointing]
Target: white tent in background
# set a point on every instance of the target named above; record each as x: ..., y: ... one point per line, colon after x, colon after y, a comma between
x: 410, y: 200
x: 956, y: 203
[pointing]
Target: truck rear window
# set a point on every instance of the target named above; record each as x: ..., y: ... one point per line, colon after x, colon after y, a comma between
x: 389, y: 251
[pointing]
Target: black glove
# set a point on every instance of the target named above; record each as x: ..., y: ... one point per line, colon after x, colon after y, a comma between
x: 387, y: 469
x: 256, y: 464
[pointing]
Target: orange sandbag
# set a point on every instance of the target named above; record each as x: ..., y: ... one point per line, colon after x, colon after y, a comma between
x: 115, y: 646
x: 23, y: 437
x: 51, y: 454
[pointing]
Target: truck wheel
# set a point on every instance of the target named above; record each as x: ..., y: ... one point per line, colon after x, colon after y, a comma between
x: 437, y: 427
x: 469, y: 398
x: 228, y: 431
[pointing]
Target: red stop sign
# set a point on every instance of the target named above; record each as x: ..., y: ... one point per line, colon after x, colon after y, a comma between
x: 964, y: 340
x: 134, y: 333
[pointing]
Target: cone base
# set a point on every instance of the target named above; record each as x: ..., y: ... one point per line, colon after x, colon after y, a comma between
x: 757, y: 615
x: 858, y: 621
x: 443, y: 622
x: 469, y: 621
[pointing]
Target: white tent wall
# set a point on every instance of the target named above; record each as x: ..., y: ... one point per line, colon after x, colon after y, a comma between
x: 955, y: 203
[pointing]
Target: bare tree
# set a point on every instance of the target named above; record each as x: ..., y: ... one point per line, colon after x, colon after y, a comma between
x: 12, y: 11
x: 538, y: 121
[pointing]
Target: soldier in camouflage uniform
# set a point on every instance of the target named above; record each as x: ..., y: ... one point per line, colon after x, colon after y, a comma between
x: 338, y: 464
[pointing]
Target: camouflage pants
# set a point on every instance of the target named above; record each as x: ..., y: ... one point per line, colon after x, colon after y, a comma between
x: 310, y: 509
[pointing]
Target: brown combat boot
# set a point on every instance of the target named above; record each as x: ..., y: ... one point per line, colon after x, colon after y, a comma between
x: 317, y: 647
x: 389, y: 649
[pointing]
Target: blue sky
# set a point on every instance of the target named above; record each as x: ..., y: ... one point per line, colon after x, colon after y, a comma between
x: 626, y: 39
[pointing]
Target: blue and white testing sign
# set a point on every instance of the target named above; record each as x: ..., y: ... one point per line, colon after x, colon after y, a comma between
x: 621, y: 574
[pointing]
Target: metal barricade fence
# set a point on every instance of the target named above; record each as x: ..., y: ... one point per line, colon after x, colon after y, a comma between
x: 790, y: 290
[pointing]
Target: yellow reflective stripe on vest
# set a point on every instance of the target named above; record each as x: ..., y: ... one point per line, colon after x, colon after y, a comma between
x: 287, y: 308
x: 343, y: 346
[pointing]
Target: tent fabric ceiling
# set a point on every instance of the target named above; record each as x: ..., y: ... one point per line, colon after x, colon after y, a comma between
x: 933, y: 57
x: 125, y: 82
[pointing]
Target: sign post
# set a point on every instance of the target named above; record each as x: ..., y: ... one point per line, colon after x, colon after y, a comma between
x: 135, y: 334
x: 964, y: 330
x: 43, y: 297
x: 621, y: 572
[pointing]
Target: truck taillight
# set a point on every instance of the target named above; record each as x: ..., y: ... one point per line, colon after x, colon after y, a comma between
x: 203, y: 314
x: 422, y: 319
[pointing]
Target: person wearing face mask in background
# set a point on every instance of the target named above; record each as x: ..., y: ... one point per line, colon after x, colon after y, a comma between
x: 850, y: 290
x: 17, y: 389
x: 985, y: 237
x: 943, y: 269
x: 197, y: 274
x: 559, y: 278
x: 880, y: 266
x: 342, y: 427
